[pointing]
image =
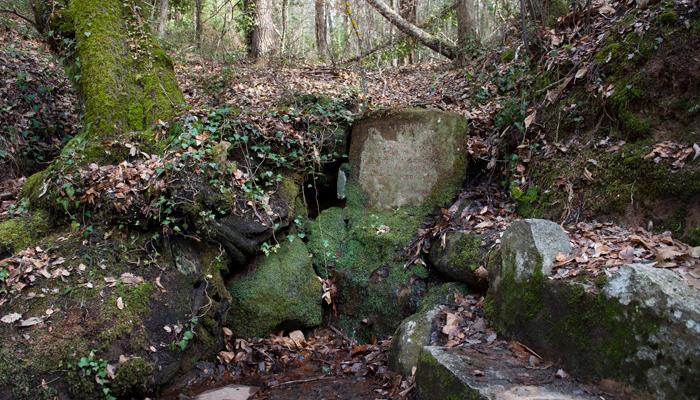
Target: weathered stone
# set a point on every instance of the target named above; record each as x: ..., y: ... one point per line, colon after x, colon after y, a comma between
x: 418, y: 330
x: 409, y: 157
x: 451, y: 374
x: 639, y: 325
x: 409, y: 339
x: 278, y: 291
x: 460, y: 258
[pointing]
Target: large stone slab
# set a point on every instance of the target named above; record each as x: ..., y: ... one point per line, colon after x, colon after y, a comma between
x: 639, y: 325
x: 409, y: 157
x: 446, y: 374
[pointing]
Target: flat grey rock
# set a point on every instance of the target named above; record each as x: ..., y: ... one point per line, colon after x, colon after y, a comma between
x: 493, y: 374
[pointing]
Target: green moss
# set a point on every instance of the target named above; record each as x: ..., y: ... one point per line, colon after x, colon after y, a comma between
x: 693, y: 236
x: 443, y: 294
x: 508, y: 55
x: 279, y: 291
x: 133, y: 379
x: 435, y: 381
x: 668, y: 18
x: 21, y: 232
x: 128, y: 322
x: 363, y: 251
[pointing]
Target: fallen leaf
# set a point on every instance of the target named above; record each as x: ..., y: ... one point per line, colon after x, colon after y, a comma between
x: 10, y: 318
x: 298, y: 338
x: 30, y: 322
x: 120, y: 303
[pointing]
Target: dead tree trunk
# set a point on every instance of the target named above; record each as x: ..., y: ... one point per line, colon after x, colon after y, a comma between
x: 423, y: 37
x: 263, y: 39
x: 321, y: 30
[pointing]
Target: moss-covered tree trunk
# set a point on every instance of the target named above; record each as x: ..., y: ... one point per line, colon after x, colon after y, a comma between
x: 125, y: 79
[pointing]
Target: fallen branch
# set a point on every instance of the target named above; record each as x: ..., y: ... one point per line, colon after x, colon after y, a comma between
x: 18, y: 15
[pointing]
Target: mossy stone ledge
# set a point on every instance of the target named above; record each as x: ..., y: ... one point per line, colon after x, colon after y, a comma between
x: 640, y: 325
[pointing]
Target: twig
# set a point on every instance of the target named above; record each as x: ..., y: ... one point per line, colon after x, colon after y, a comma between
x: 320, y: 378
x: 336, y: 330
x: 531, y: 351
x: 16, y: 14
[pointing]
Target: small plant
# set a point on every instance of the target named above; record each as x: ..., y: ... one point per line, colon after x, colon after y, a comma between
x: 99, y: 368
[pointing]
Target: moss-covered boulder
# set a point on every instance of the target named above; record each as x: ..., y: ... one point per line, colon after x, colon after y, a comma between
x: 148, y: 308
x: 460, y: 258
x: 363, y: 251
x: 278, y: 291
x: 639, y: 325
x: 18, y: 233
x: 418, y: 330
x: 409, y: 157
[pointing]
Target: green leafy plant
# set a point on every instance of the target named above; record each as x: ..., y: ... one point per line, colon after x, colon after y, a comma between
x: 90, y: 366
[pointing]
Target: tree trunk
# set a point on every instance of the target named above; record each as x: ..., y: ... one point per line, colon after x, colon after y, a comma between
x: 163, y: 18
x: 198, y: 6
x: 126, y: 82
x: 321, y: 30
x: 413, y: 31
x: 467, y: 39
x: 408, y: 10
x: 285, y: 19
x: 263, y: 39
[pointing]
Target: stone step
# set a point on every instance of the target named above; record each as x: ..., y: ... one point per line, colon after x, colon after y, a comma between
x: 493, y: 373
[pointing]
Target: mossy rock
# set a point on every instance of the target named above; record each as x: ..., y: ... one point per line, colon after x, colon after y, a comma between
x: 19, y: 233
x: 629, y: 327
x: 363, y: 251
x: 416, y: 331
x: 113, y: 320
x: 279, y: 291
x: 409, y: 157
x: 460, y: 258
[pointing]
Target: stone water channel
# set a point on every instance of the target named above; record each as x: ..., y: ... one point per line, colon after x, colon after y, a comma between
x: 634, y: 333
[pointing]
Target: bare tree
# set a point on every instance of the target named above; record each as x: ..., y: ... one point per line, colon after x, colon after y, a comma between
x: 423, y: 37
x: 321, y: 29
x: 263, y: 38
x: 163, y: 17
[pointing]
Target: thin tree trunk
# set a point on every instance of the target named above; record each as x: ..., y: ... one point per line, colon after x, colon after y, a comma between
x: 285, y: 19
x: 413, y: 31
x: 466, y: 29
x: 408, y: 10
x: 264, y: 33
x: 163, y: 18
x: 321, y: 30
x: 198, y: 5
x: 523, y: 25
